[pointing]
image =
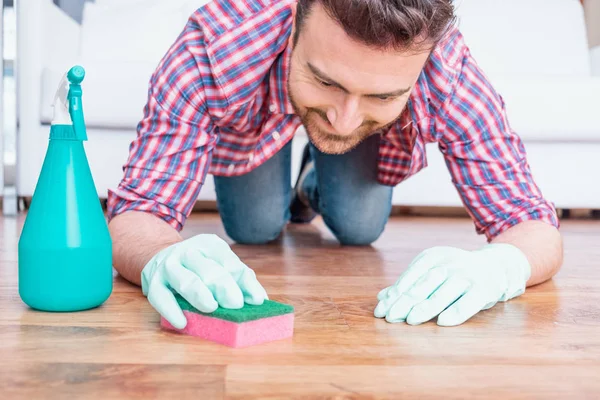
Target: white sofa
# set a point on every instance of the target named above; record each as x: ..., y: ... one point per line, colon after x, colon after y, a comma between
x: 541, y: 66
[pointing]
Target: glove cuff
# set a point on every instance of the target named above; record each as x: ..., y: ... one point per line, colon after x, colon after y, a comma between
x: 512, y: 260
x: 149, y: 270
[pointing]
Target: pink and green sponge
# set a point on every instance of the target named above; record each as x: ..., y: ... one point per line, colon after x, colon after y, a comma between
x: 247, y: 326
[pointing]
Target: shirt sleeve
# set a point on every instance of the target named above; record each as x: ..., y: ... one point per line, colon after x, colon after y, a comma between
x: 171, y: 154
x: 486, y: 159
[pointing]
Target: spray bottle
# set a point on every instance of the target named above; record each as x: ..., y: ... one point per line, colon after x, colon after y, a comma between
x: 65, y: 249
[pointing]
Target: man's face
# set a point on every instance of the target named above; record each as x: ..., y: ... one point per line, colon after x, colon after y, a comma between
x: 344, y: 91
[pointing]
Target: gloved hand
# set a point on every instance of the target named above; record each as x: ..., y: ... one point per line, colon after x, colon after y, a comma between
x: 206, y: 272
x: 439, y: 276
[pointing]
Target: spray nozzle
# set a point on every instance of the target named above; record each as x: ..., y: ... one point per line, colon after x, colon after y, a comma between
x: 68, y: 108
x: 75, y: 77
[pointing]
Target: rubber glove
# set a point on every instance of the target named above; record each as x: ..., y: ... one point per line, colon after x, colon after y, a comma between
x: 454, y: 283
x: 203, y: 270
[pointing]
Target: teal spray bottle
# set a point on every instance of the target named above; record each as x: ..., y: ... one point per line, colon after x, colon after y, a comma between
x: 65, y: 249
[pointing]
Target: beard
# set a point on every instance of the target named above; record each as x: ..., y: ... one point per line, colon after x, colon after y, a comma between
x: 327, y: 142
x: 331, y: 143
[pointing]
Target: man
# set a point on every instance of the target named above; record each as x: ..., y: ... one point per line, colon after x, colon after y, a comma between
x: 372, y: 81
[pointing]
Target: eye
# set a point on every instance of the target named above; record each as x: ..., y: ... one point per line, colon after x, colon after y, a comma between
x: 323, y: 83
x: 386, y: 99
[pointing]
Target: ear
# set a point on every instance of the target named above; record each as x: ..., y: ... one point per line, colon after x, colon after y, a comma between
x: 293, y: 9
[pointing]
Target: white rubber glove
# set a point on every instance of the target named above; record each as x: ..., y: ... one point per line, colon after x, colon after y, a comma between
x: 203, y: 270
x: 454, y: 283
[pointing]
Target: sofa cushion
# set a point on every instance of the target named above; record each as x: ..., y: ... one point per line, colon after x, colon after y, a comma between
x: 552, y: 108
x: 526, y: 38
x: 121, y: 43
x: 132, y: 30
x: 114, y: 94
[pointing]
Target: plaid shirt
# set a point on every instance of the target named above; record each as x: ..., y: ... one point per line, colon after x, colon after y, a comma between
x: 218, y: 104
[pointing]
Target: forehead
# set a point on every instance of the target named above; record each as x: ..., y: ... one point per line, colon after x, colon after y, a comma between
x: 324, y: 44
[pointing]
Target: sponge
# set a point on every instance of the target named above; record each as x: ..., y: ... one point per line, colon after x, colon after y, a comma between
x: 247, y: 326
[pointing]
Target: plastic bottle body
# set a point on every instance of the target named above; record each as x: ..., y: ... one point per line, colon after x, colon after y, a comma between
x: 65, y: 249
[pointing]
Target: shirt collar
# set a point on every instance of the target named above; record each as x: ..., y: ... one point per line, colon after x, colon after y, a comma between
x: 279, y: 100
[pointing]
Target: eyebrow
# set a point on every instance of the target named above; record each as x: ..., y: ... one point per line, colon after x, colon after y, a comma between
x: 319, y: 74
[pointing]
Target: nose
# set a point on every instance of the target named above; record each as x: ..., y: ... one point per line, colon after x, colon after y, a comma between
x: 346, y: 118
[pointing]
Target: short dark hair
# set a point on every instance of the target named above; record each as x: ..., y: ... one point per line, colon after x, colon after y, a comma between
x: 386, y: 24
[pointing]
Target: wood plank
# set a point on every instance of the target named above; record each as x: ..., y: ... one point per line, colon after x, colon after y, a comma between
x: 412, y: 382
x: 110, y: 381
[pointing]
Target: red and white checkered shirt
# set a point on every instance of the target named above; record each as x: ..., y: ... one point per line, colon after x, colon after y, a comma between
x: 218, y: 103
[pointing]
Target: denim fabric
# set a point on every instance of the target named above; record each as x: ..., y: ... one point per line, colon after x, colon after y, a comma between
x: 342, y: 188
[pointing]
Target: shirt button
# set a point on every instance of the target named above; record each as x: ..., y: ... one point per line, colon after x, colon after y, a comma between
x: 276, y: 135
x: 272, y: 108
x: 230, y: 168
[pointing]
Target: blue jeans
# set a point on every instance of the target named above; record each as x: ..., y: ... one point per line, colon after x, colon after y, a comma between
x: 343, y: 189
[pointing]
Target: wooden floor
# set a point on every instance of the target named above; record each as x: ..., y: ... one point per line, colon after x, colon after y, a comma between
x: 545, y: 344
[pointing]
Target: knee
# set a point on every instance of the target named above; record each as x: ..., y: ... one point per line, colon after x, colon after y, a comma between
x: 356, y: 232
x: 257, y: 231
